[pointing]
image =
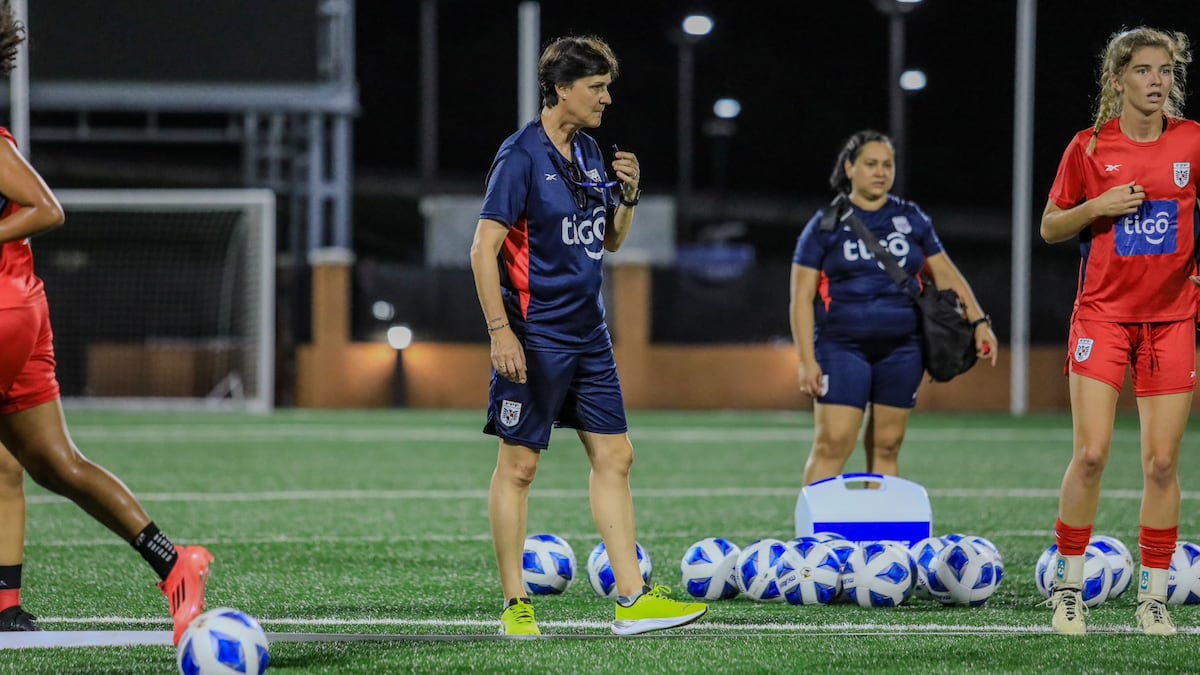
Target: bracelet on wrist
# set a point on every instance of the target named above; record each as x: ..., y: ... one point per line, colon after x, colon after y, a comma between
x: 983, y: 319
x: 493, y: 329
x: 625, y: 201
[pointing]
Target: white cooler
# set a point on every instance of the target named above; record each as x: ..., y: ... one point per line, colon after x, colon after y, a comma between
x: 898, y: 511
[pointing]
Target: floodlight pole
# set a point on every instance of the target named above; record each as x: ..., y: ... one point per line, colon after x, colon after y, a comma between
x: 683, y: 190
x: 897, y: 122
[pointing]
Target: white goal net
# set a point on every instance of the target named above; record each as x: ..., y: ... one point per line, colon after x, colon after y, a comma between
x: 163, y: 299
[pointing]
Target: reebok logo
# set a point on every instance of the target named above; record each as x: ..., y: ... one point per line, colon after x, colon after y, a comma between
x: 1109, y: 168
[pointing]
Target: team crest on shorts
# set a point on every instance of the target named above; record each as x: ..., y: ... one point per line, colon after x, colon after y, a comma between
x: 1183, y: 173
x: 510, y: 413
x: 1083, y: 350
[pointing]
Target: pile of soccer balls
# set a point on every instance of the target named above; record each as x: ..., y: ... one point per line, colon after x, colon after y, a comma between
x: 816, y: 570
x: 1108, y: 572
x: 819, y: 569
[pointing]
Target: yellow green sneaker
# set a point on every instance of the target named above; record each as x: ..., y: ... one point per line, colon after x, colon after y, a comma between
x: 654, y: 610
x: 517, y: 619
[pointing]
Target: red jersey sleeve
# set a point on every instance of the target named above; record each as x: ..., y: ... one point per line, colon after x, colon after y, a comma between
x: 1069, y: 189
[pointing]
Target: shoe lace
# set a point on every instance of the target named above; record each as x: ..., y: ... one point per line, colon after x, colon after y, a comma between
x: 1156, y: 611
x: 522, y: 613
x: 660, y: 592
x: 1071, y: 601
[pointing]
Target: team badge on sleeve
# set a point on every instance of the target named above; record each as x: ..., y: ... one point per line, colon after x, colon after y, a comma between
x: 1183, y: 173
x: 510, y: 413
x: 1083, y: 351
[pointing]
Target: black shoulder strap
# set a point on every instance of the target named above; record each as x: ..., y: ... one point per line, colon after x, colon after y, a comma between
x: 834, y: 214
x: 902, y: 278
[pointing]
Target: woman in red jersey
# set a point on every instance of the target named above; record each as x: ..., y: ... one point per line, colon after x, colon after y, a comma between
x: 1125, y: 187
x: 32, y: 427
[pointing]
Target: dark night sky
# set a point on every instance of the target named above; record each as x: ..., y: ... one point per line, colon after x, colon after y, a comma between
x: 807, y: 73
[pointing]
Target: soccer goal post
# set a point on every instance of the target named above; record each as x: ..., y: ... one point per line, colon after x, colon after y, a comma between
x: 163, y: 299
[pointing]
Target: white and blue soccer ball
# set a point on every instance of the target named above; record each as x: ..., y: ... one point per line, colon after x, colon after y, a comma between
x: 963, y: 573
x: 923, y: 552
x: 756, y: 570
x: 1097, y: 574
x: 223, y: 641
x: 879, y: 575
x: 1119, y: 559
x: 808, y: 573
x: 547, y: 564
x: 842, y: 548
x: 987, y: 546
x: 600, y: 574
x: 1183, y: 579
x: 709, y: 569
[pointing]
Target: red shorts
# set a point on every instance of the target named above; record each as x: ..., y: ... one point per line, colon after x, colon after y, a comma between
x: 27, y: 358
x: 1161, y: 356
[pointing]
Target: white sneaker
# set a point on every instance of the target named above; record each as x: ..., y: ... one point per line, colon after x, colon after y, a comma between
x: 1069, y: 611
x: 1154, y: 619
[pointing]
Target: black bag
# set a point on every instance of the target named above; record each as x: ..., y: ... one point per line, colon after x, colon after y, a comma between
x: 947, y: 338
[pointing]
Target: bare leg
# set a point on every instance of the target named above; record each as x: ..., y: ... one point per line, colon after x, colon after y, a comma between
x: 1162, y: 419
x: 834, y: 437
x: 12, y: 510
x: 38, y: 438
x: 886, y: 432
x: 1093, y: 411
x: 611, y: 457
x: 508, y: 511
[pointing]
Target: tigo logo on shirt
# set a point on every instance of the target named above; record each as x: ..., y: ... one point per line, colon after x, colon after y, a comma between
x: 1152, y: 230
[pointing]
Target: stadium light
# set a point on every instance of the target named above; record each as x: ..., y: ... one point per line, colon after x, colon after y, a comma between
x: 697, y: 25
x: 693, y: 29
x: 895, y: 11
x: 383, y: 310
x: 399, y: 337
x: 727, y: 108
x: 913, y: 80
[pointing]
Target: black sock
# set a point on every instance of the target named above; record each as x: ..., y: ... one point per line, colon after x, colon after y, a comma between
x: 10, y: 577
x: 514, y: 601
x: 156, y: 549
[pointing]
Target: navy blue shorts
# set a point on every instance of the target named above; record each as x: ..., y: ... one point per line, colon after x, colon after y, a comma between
x: 579, y: 391
x: 887, y: 372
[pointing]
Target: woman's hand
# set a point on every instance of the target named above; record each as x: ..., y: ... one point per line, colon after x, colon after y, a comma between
x: 508, y: 357
x: 986, y: 344
x: 1121, y: 200
x: 811, y: 379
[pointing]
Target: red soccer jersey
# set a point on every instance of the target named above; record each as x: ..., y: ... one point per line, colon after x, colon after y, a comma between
x: 1135, y: 268
x: 19, y: 286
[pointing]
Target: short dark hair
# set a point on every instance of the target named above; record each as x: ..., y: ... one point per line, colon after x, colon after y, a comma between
x: 569, y: 58
x: 12, y: 34
x: 851, y: 149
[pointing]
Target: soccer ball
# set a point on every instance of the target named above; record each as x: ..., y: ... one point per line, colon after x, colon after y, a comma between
x: 923, y: 552
x: 988, y: 547
x: 756, y: 570
x: 963, y: 573
x: 1183, y: 580
x: 808, y: 573
x: 709, y: 569
x: 547, y: 565
x: 223, y: 641
x: 1119, y: 559
x: 1097, y: 574
x: 1043, y: 570
x: 600, y: 573
x: 879, y: 575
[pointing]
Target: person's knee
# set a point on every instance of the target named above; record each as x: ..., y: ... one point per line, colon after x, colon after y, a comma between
x: 1161, y: 469
x: 1090, y: 461
x: 518, y: 472
x: 617, y: 459
x: 887, y: 446
x: 833, y: 443
x: 12, y: 481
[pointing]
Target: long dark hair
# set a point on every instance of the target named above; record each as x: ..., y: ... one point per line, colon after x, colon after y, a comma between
x: 851, y: 149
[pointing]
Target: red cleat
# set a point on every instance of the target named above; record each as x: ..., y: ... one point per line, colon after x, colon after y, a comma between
x: 184, y: 586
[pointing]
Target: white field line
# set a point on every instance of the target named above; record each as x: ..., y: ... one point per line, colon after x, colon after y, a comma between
x: 645, y: 493
x: 395, y: 539
x: 398, y: 434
